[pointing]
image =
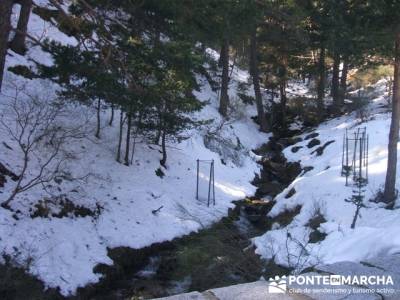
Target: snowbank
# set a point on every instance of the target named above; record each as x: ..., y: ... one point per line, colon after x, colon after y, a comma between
x: 323, y: 188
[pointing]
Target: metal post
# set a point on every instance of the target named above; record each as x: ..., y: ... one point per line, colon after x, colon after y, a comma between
x: 355, y: 153
x: 360, y: 162
x: 209, y: 186
x: 367, y: 157
x: 343, y: 147
x: 197, y: 185
x: 213, y: 178
x: 347, y: 158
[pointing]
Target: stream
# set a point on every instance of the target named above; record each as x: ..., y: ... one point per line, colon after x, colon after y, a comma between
x: 216, y: 256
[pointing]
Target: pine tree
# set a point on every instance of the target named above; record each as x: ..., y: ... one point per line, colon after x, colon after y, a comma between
x: 17, y: 44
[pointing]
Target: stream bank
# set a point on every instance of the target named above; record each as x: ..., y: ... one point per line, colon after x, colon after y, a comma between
x: 216, y: 256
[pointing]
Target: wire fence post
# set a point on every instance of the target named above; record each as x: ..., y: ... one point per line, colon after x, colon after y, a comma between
x: 209, y: 184
x: 197, y: 184
x: 355, y: 156
x: 211, y: 181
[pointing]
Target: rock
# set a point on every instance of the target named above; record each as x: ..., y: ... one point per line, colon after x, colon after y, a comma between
x: 285, y: 142
x: 293, y: 170
x: 295, y: 149
x: 307, y: 169
x: 313, y: 143
x: 3, y: 180
x: 257, y: 209
x: 290, y: 193
x: 311, y: 136
x: 278, y: 157
x: 269, y: 189
x: 316, y: 236
x: 281, y: 172
x: 6, y: 172
x: 320, y: 150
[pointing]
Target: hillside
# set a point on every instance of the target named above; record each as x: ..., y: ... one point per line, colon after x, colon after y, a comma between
x: 114, y: 202
x: 154, y: 148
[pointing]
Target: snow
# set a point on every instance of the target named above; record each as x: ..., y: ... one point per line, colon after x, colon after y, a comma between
x: 324, y: 188
x: 64, y: 251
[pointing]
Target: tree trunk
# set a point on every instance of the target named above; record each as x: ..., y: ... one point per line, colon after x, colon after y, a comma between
x: 262, y: 121
x: 121, y: 129
x: 343, y: 81
x: 158, y: 133
x: 112, y: 115
x: 353, y: 224
x: 321, y: 82
x: 282, y: 91
x: 164, y: 149
x: 128, y: 138
x: 389, y: 194
x: 335, y: 82
x: 97, y: 134
x: 224, y: 98
x: 5, y: 27
x: 18, y: 42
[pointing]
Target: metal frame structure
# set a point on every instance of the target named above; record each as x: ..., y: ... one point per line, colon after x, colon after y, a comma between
x: 211, y: 181
x: 355, y: 161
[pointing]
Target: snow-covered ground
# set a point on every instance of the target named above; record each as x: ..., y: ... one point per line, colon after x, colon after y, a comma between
x: 323, y: 189
x: 63, y: 251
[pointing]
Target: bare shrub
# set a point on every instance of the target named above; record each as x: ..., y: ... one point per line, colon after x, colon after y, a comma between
x: 34, y: 127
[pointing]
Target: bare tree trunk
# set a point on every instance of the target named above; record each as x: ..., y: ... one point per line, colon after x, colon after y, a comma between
x: 121, y: 129
x: 389, y: 194
x: 256, y: 82
x: 321, y: 82
x: 158, y: 133
x: 224, y: 98
x: 128, y: 138
x: 164, y: 148
x: 5, y: 27
x: 335, y: 82
x: 18, y: 42
x: 343, y: 81
x: 282, y: 91
x: 353, y: 223
x: 97, y: 134
x: 112, y: 115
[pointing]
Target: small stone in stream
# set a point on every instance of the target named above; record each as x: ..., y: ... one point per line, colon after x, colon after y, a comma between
x: 290, y: 193
x: 295, y: 149
x: 313, y: 143
x: 311, y: 136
